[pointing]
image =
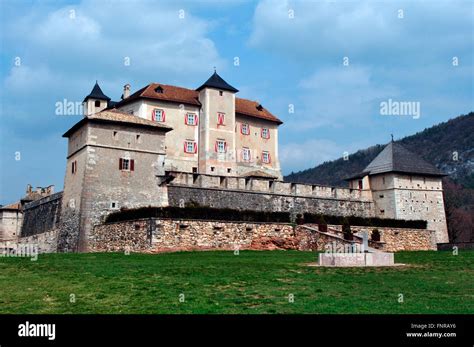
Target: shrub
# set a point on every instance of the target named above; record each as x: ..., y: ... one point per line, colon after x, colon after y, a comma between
x: 346, y: 229
x: 199, y: 212
x: 368, y: 222
x: 322, y: 225
x: 375, y: 235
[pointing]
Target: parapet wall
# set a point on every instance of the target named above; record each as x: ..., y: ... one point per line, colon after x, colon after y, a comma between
x: 182, y: 195
x: 42, y: 215
x: 270, y: 186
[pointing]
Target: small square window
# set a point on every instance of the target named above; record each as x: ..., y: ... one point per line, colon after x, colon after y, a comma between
x: 158, y: 115
x: 220, y: 118
x: 266, y: 157
x: 245, y: 154
x: 97, y: 103
x: 113, y: 205
x: 190, y: 146
x: 221, y: 146
x: 191, y: 119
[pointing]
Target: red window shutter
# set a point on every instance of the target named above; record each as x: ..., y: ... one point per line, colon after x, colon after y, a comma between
x: 132, y: 165
x: 242, y: 129
x: 196, y: 119
x: 225, y: 146
x: 215, y: 146
x: 120, y: 164
x: 261, y: 132
x: 268, y: 133
x: 185, y: 146
x: 269, y: 158
x: 195, y: 147
x: 163, y: 115
x: 153, y: 116
x: 186, y: 118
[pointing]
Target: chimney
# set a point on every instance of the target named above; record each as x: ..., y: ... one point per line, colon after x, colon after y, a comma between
x: 28, y: 188
x: 126, y: 91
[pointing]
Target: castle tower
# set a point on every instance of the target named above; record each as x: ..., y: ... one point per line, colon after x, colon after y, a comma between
x: 404, y: 186
x: 217, y: 153
x: 115, y: 160
x: 96, y: 101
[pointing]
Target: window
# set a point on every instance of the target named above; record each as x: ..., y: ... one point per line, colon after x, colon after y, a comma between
x: 191, y: 119
x: 220, y: 118
x: 138, y: 138
x: 220, y: 146
x: 245, y: 154
x: 158, y: 115
x: 229, y: 170
x: 126, y: 164
x: 115, y: 135
x: 266, y: 157
x: 221, y: 92
x: 212, y: 168
x: 265, y: 133
x: 113, y: 205
x: 360, y: 184
x: 245, y: 129
x: 190, y: 146
x: 74, y: 167
x: 97, y: 103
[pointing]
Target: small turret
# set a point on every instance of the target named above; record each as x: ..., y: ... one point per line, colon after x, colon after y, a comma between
x: 96, y: 101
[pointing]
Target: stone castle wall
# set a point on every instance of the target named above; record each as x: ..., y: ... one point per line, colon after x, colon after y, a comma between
x: 260, y: 201
x: 42, y: 215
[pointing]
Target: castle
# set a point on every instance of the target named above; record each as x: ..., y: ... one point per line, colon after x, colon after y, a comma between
x: 170, y: 146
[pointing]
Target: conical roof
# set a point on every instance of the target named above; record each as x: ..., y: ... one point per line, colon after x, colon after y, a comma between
x: 97, y: 93
x: 216, y: 81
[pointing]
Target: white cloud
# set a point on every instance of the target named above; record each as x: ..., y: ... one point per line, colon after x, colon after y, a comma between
x: 337, y: 95
x: 330, y: 30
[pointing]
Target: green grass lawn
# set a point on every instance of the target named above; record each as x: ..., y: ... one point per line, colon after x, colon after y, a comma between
x: 221, y: 282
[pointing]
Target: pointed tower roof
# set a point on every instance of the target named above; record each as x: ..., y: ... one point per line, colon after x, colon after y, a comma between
x: 97, y: 93
x: 396, y: 158
x: 216, y: 81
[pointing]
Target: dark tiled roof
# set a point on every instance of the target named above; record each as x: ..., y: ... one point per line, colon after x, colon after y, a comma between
x: 164, y: 92
x: 97, y: 93
x: 115, y: 116
x: 396, y: 158
x: 216, y: 81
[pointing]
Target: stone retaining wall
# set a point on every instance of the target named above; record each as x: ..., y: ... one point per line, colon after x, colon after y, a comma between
x: 46, y: 242
x: 158, y: 235
x: 399, y: 239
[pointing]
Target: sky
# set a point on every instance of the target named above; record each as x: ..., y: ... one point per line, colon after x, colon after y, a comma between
x: 323, y: 67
